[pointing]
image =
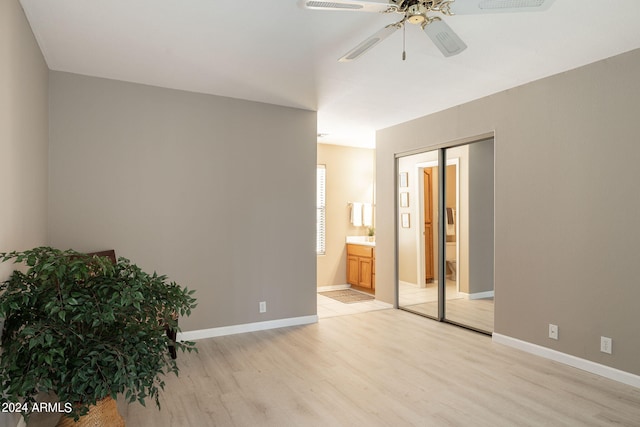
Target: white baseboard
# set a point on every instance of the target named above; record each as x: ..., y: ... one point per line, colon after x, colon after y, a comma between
x: 482, y: 295
x: 567, y: 359
x: 415, y: 285
x: 247, y: 327
x: 333, y: 288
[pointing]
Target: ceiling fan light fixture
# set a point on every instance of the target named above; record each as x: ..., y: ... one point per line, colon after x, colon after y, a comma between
x: 416, y: 14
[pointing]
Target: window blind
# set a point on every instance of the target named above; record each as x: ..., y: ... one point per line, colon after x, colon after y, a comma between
x: 321, y: 211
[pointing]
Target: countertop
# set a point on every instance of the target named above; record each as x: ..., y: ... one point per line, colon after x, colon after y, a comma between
x: 360, y: 240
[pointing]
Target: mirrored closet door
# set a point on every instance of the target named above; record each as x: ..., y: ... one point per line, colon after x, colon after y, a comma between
x: 445, y: 234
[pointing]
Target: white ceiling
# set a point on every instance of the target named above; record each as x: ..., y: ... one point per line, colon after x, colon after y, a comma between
x: 273, y: 51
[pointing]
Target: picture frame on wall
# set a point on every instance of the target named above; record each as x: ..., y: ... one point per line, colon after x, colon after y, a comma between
x: 404, y: 200
x: 405, y: 220
x: 404, y: 179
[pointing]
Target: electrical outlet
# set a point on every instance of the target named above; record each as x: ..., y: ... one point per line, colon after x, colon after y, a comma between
x: 263, y: 306
x: 553, y: 331
x: 605, y: 345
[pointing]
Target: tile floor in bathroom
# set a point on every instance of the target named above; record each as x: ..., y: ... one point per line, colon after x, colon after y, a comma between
x: 328, y: 307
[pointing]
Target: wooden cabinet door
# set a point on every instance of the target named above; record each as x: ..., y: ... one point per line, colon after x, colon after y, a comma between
x: 373, y: 270
x: 361, y: 266
x: 352, y: 271
x: 365, y: 272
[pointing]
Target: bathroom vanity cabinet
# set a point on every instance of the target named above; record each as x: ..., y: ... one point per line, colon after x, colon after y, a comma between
x: 361, y: 266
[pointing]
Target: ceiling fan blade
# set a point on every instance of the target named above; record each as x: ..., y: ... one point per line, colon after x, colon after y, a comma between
x: 355, y: 5
x: 363, y: 47
x: 472, y: 7
x: 444, y: 37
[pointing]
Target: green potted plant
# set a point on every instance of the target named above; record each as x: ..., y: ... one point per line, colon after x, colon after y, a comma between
x: 86, y: 329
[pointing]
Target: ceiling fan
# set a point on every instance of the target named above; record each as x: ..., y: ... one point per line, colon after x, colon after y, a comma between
x: 418, y: 12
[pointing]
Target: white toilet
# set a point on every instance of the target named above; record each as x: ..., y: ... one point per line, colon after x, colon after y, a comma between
x: 450, y: 258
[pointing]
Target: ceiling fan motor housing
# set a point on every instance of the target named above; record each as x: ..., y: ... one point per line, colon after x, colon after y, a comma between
x: 416, y: 13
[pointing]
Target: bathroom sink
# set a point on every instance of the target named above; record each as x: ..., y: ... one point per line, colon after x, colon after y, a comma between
x: 361, y: 240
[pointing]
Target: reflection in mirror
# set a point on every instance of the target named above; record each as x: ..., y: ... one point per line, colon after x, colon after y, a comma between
x: 468, y: 240
x: 469, y: 246
x: 417, y: 243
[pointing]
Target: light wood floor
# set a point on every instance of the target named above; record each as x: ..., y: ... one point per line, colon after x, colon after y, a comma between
x: 476, y: 313
x: 381, y: 368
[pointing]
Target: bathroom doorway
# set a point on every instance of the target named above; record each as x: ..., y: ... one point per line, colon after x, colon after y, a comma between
x: 427, y: 211
x: 428, y: 215
x: 445, y: 235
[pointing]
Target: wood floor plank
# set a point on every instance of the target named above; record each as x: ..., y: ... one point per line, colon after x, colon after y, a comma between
x: 381, y: 368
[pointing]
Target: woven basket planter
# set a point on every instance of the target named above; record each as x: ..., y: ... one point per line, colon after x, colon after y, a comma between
x: 103, y: 414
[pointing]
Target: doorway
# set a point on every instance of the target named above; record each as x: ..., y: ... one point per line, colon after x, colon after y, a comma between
x: 427, y: 212
x: 445, y: 255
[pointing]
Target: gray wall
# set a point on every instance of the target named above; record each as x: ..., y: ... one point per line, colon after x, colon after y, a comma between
x: 212, y: 191
x: 23, y: 140
x: 567, y: 205
x: 23, y: 135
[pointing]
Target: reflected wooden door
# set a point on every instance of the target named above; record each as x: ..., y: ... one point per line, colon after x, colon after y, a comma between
x: 428, y: 225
